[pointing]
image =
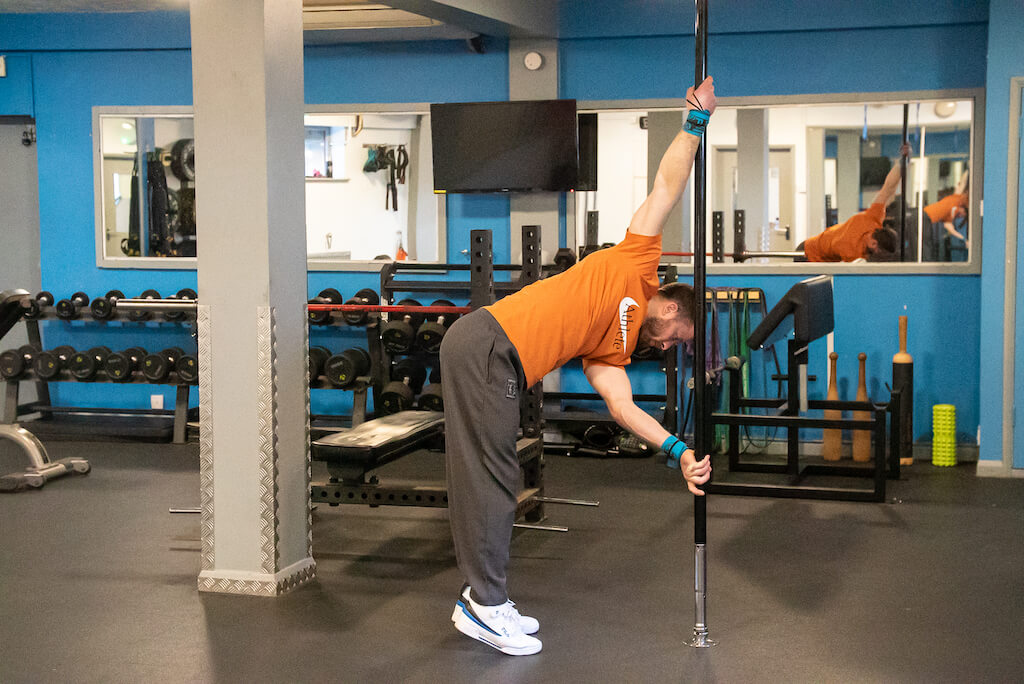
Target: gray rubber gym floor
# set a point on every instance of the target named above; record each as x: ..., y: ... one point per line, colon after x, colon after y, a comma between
x: 99, y: 584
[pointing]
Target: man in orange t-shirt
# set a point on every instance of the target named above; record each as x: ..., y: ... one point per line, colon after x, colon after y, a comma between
x: 947, y: 210
x: 861, y: 236
x: 601, y: 309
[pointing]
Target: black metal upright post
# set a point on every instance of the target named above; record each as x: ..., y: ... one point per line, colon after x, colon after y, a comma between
x: 700, y: 627
x: 903, y: 187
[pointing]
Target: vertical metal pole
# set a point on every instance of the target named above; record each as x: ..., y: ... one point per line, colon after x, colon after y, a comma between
x: 903, y: 188
x: 700, y: 626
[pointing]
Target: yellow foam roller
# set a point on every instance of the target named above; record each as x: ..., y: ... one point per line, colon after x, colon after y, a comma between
x: 944, y: 435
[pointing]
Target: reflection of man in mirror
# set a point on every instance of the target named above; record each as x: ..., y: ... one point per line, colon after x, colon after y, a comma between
x: 599, y: 310
x: 948, y: 212
x: 863, y: 235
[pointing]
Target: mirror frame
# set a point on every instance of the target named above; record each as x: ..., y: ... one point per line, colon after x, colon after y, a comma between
x: 191, y: 263
x: 977, y: 158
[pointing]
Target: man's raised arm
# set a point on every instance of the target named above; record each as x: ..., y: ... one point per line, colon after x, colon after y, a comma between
x: 892, y: 180
x: 674, y: 169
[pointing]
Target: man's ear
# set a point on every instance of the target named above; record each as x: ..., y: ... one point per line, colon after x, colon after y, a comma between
x: 670, y: 308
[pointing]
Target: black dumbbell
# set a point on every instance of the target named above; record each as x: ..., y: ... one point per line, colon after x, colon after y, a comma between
x: 317, y: 358
x: 36, y: 305
x: 406, y: 381
x: 14, y: 362
x: 327, y: 296
x: 400, y: 330
x: 342, y: 369
x: 365, y: 296
x: 102, y: 308
x: 142, y: 314
x: 120, y: 366
x: 83, y: 365
x: 48, y: 364
x: 431, y: 332
x: 67, y: 309
x: 187, y: 294
x: 564, y: 258
x: 187, y: 368
x: 156, y: 367
x: 431, y: 399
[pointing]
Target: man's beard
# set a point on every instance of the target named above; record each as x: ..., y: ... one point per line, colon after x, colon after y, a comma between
x: 650, y: 328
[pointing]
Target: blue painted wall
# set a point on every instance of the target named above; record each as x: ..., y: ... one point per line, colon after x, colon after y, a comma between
x: 16, y: 88
x: 609, y: 50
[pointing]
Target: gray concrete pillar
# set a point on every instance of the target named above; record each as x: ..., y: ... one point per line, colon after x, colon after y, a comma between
x: 662, y: 128
x: 847, y: 174
x: 752, y: 172
x: 815, y: 186
x: 541, y: 83
x: 250, y: 203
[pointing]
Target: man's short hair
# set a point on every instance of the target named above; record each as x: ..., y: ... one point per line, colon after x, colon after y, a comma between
x: 888, y: 245
x: 681, y: 294
x: 887, y: 239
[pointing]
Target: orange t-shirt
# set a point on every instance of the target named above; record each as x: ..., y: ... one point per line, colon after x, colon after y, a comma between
x: 846, y: 241
x: 593, y: 310
x: 941, y: 210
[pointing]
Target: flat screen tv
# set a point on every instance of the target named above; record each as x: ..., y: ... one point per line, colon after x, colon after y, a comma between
x: 873, y: 171
x: 521, y: 146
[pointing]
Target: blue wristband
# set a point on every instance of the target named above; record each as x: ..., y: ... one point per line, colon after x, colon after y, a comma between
x: 674, y: 447
x: 696, y: 122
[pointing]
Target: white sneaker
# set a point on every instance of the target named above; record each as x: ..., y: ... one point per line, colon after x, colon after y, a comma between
x: 501, y: 626
x: 528, y: 624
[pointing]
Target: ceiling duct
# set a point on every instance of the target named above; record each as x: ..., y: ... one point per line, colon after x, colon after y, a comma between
x: 331, y: 15
x: 328, y: 22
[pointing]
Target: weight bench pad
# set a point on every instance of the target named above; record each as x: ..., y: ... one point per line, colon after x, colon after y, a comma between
x: 380, y: 440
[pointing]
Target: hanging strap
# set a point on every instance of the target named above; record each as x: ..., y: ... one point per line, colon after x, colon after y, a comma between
x: 402, y: 163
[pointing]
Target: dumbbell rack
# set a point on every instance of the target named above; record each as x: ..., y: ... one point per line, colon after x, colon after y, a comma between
x: 43, y: 405
x: 481, y: 290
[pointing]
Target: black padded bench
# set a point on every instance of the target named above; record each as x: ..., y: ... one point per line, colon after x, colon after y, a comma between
x: 349, y: 455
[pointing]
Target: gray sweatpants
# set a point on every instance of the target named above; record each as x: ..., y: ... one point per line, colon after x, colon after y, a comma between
x: 482, y: 380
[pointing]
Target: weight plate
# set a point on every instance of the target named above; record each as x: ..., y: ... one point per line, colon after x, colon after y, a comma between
x: 187, y: 368
x: 46, y: 364
x: 431, y: 399
x: 183, y: 160
x: 412, y: 369
x: 12, y: 364
x: 155, y: 367
x: 67, y: 310
x: 82, y: 365
x: 102, y: 309
x: 365, y: 296
x: 142, y: 315
x: 317, y: 357
x: 118, y: 367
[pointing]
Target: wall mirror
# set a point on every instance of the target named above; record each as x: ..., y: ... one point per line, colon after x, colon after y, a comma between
x: 797, y: 167
x: 368, y: 184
